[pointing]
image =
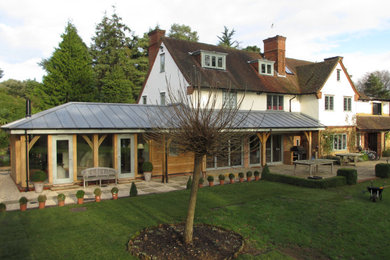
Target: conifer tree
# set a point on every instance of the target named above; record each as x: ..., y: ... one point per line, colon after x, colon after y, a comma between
x: 374, y: 87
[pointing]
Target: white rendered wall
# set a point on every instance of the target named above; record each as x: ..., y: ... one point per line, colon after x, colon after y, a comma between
x: 157, y: 81
x: 365, y: 107
x: 339, y: 89
x: 310, y: 105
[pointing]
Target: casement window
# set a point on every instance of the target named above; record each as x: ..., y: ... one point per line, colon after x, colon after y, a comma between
x: 266, y: 67
x: 144, y: 100
x: 229, y: 99
x: 162, y: 98
x: 275, y: 102
x: 230, y: 155
x: 173, y: 149
x: 213, y: 60
x: 162, y: 62
x: 340, y: 142
x: 338, y: 74
x: 347, y: 103
x: 376, y: 108
x: 329, y: 105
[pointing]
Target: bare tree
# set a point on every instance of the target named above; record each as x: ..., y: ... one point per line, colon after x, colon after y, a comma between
x: 203, y: 125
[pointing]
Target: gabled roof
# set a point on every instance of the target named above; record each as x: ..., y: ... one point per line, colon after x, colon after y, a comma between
x: 307, y: 77
x: 105, y: 116
x: 377, y: 123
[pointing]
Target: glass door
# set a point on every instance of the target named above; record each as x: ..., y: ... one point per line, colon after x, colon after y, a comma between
x: 126, y: 156
x: 62, y: 154
x: 274, y: 149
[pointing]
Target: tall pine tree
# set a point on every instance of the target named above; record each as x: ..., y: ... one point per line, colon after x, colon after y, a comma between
x: 117, y: 61
x: 374, y: 87
x: 70, y: 76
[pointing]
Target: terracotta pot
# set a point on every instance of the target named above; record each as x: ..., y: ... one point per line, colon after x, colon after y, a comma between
x: 200, y: 185
x: 257, y: 178
x: 42, y: 205
x: 61, y: 203
x: 241, y: 179
x: 211, y: 183
x: 249, y: 179
x: 114, y: 196
x: 80, y: 200
x: 221, y: 182
x: 97, y: 198
x: 231, y: 181
x: 23, y: 207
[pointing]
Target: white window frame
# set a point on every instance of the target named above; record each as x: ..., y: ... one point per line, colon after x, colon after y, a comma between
x: 144, y: 100
x: 277, y: 102
x: 338, y: 74
x: 162, y: 62
x: 347, y: 104
x: 162, y: 99
x: 268, y: 67
x: 229, y: 99
x: 340, y: 142
x: 329, y: 103
x: 213, y: 60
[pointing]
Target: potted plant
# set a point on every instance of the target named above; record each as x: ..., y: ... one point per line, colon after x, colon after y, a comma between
x: 114, y: 192
x: 210, y: 179
x: 201, y: 181
x: 80, y: 196
x: 257, y: 175
x: 248, y: 176
x: 42, y: 201
x: 98, y: 194
x: 147, y: 167
x: 38, y: 178
x: 221, y: 178
x: 23, y: 203
x: 241, y: 176
x: 231, y: 178
x: 61, y: 199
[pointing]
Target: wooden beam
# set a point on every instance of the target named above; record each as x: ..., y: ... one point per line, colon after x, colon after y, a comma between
x: 33, y: 141
x: 22, y: 161
x: 263, y: 136
x: 74, y: 143
x: 95, y: 150
x: 101, y: 139
x: 89, y: 142
x: 115, y: 152
x: 308, y: 135
x: 50, y: 158
x: 135, y: 154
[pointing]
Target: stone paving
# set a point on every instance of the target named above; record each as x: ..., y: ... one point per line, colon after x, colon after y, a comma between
x: 9, y: 194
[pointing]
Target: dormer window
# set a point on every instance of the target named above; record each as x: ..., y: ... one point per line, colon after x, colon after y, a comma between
x: 266, y: 67
x: 213, y: 60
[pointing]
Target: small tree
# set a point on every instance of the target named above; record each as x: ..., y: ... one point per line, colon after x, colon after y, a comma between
x: 226, y: 39
x: 183, y: 32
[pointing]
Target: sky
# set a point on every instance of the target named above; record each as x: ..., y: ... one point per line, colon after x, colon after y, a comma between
x: 357, y: 30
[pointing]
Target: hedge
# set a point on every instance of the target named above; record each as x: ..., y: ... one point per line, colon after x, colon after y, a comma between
x: 309, y: 183
x: 382, y: 170
x: 349, y: 174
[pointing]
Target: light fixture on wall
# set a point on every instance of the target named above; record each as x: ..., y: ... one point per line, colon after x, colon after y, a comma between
x: 140, y: 146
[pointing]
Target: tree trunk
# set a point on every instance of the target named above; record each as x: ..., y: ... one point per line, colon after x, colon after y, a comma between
x: 189, y: 228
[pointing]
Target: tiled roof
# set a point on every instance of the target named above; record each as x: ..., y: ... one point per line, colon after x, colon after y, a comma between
x: 103, y: 116
x: 307, y: 78
x: 379, y: 123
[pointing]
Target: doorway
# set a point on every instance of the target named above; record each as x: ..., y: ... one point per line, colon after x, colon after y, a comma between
x: 126, y: 156
x: 62, y: 153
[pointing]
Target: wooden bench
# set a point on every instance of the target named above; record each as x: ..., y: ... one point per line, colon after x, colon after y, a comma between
x: 99, y: 174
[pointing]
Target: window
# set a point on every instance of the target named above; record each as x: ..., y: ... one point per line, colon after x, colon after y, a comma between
x: 162, y: 98
x: 347, y: 104
x: 162, y: 62
x: 214, y: 60
x: 329, y: 103
x: 229, y: 99
x: 144, y: 100
x: 338, y: 74
x: 376, y: 108
x: 274, y: 102
x: 340, y: 142
x: 230, y: 156
x: 173, y: 149
x: 266, y: 67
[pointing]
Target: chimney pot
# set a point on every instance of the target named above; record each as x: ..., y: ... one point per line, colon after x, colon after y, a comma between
x: 275, y: 50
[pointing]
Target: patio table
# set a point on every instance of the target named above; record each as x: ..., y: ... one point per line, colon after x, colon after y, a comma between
x: 344, y: 157
x: 314, y: 163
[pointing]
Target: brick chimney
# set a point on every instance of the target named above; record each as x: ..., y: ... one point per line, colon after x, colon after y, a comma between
x: 154, y: 44
x: 275, y: 50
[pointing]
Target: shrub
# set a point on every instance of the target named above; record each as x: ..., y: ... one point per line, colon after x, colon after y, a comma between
x: 80, y: 194
x: 114, y: 190
x: 382, y: 170
x: 349, y: 174
x: 38, y: 176
x: 248, y: 174
x: 42, y: 198
x: 256, y: 173
x: 386, y: 153
x: 241, y: 175
x: 2, y: 207
x: 210, y: 178
x: 61, y: 197
x: 309, y: 183
x: 201, y: 180
x: 133, y: 190
x: 147, y: 167
x: 97, y: 192
x: 221, y: 177
x: 231, y: 176
x: 23, y: 200
x: 265, y: 170
x: 189, y: 183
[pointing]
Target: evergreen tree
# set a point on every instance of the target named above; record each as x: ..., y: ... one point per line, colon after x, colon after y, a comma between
x: 253, y: 48
x: 69, y: 72
x: 117, y: 61
x: 183, y: 32
x: 1, y: 73
x: 374, y: 87
x: 226, y: 40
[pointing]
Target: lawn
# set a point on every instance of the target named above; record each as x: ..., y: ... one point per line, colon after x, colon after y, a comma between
x: 277, y: 220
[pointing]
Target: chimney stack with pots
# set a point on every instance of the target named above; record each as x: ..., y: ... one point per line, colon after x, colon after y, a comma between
x: 154, y: 44
x: 275, y: 50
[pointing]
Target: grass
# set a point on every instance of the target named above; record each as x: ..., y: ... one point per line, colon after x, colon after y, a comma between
x: 335, y: 223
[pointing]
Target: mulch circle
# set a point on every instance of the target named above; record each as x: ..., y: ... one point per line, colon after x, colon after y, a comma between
x: 166, y: 241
